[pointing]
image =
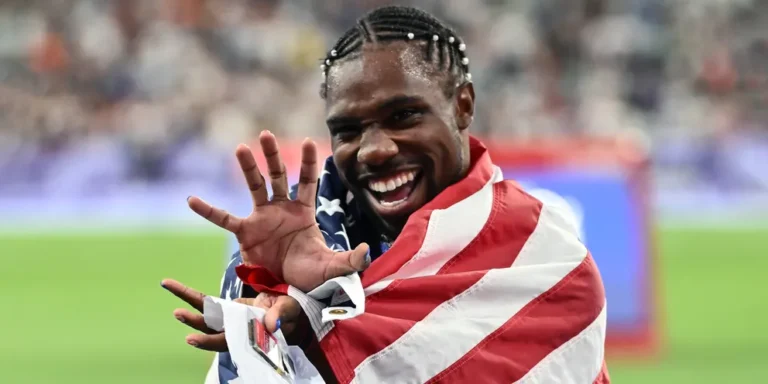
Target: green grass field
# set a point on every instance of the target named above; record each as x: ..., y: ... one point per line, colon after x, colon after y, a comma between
x: 89, y: 309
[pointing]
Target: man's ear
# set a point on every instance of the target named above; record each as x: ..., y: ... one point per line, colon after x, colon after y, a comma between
x: 465, y: 105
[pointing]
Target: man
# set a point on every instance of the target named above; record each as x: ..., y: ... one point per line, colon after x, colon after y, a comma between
x: 467, y: 278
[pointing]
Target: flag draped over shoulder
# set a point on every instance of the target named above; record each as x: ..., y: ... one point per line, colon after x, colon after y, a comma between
x: 485, y: 283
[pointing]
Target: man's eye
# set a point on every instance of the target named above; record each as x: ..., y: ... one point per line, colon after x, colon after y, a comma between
x: 346, y: 134
x: 405, y: 115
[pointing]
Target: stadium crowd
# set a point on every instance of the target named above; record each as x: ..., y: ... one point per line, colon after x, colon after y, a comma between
x: 96, y: 92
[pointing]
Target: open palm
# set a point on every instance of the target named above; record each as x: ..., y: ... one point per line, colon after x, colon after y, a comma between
x: 281, y: 234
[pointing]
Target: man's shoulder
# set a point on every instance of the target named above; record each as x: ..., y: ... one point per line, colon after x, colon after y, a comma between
x: 511, y: 193
x: 519, y: 201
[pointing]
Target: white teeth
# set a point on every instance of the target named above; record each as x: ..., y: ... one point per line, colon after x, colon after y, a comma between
x: 392, y: 203
x: 392, y: 183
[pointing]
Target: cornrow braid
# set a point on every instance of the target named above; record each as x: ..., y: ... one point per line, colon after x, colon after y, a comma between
x: 444, y: 48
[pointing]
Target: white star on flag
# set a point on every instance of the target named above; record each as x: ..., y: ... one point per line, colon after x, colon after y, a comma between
x: 343, y: 234
x: 329, y: 206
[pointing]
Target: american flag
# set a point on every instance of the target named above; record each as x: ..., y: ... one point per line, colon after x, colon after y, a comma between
x: 486, y: 283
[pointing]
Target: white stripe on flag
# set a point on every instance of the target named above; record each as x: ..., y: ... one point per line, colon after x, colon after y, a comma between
x: 449, y: 231
x: 578, y: 361
x: 459, y: 324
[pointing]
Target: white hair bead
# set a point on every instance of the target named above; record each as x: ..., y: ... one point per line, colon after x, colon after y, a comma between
x: 435, y: 37
x: 462, y: 47
x: 451, y: 39
x: 333, y: 53
x: 469, y: 77
x: 465, y: 61
x: 322, y: 66
x: 410, y: 36
x: 328, y: 61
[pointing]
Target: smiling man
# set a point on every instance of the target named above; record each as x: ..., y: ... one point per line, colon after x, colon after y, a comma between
x: 467, y: 278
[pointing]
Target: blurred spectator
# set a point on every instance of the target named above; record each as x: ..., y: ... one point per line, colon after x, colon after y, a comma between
x: 168, y: 87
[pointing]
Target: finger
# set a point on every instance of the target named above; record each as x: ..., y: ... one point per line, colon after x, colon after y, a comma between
x: 189, y: 295
x: 274, y: 165
x: 215, y: 343
x: 345, y: 263
x: 215, y: 215
x: 308, y: 174
x: 253, y: 177
x: 194, y: 320
x: 262, y: 300
x: 286, y: 309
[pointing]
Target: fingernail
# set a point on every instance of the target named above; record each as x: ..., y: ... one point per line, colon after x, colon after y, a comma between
x: 179, y: 318
x: 163, y: 285
x: 192, y: 343
x: 367, y: 258
x: 277, y: 325
x: 189, y: 197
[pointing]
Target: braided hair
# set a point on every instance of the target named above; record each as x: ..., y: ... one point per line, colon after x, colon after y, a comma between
x: 443, y: 48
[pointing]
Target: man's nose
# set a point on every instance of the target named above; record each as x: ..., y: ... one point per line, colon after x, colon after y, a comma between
x: 376, y: 147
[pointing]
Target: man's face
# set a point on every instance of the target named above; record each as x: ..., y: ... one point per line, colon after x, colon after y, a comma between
x: 397, y: 140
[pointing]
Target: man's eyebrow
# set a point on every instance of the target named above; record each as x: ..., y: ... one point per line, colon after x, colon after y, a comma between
x: 398, y: 101
x: 389, y: 104
x: 342, y: 121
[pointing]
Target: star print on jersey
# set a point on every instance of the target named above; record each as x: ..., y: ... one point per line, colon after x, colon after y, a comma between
x: 329, y: 206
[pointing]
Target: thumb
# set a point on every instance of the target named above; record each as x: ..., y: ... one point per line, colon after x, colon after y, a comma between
x: 360, y: 257
x: 285, y: 309
x: 348, y: 262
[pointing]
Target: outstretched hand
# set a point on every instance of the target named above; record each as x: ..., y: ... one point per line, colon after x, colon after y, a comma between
x: 281, y: 234
x: 209, y: 339
x: 283, y: 312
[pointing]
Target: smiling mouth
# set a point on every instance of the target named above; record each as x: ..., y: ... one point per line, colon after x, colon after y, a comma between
x: 395, y: 189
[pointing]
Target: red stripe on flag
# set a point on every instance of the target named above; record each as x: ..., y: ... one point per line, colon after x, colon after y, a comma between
x: 513, y: 210
x: 413, y: 299
x: 403, y: 249
x: 603, y: 377
x: 534, y: 332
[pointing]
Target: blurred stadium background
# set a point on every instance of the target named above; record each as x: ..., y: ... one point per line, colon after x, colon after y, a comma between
x: 649, y: 116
